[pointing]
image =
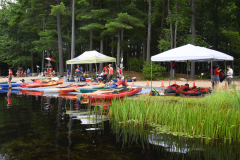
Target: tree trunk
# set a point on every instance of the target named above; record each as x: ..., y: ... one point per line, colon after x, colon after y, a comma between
x: 192, y: 75
x: 112, y: 50
x: 69, y: 51
x: 118, y: 48
x: 144, y: 50
x: 162, y: 18
x: 149, y: 29
x: 176, y: 24
x: 122, y: 32
x: 32, y: 68
x: 60, y: 51
x: 101, y: 51
x: 171, y: 32
x: 91, y: 48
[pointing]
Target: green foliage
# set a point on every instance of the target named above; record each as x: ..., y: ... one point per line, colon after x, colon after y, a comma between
x: 136, y: 64
x: 215, y: 116
x: 156, y: 70
x: 58, y: 9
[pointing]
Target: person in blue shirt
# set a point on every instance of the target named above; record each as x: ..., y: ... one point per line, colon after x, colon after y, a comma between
x: 28, y: 72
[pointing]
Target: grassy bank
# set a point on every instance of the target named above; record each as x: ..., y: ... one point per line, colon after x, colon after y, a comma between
x: 215, y: 116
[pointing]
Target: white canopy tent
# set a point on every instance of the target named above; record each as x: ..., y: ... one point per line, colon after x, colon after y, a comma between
x: 190, y: 53
x: 91, y: 57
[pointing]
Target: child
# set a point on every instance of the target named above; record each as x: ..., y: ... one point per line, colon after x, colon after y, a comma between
x: 22, y: 73
x: 25, y: 73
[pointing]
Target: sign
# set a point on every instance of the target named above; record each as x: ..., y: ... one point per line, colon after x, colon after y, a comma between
x: 121, y: 65
x: 202, y: 74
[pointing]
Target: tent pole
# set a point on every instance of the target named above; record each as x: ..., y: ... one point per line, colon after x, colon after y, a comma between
x: 187, y: 72
x: 225, y: 67
x: 170, y: 72
x: 212, y: 74
x: 233, y: 71
x: 151, y: 75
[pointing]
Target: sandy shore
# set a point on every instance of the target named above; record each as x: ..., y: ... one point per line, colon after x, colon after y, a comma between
x: 198, y: 83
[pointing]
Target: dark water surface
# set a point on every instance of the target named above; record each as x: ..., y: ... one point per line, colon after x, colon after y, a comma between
x: 51, y: 128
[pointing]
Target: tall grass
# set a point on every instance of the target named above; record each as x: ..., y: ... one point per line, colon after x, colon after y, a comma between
x: 217, y: 116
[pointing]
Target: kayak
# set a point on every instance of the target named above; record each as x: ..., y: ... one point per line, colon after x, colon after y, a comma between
x: 39, y: 84
x: 32, y: 93
x: 93, y: 97
x: 13, y: 85
x: 98, y: 87
x: 68, y: 96
x: 51, y: 90
x: 6, y: 82
x: 13, y: 91
x: 128, y: 80
x: 65, y: 90
x: 90, y: 90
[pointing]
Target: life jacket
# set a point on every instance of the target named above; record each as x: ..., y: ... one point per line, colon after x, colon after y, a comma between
x: 105, y: 69
x: 10, y: 74
x: 154, y: 92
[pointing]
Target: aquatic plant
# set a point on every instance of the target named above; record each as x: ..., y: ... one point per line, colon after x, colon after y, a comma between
x: 217, y: 116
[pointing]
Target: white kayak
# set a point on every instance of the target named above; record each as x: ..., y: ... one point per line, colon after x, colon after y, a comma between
x: 51, y: 90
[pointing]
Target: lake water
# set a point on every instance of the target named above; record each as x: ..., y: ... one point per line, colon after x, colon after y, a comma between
x: 35, y: 127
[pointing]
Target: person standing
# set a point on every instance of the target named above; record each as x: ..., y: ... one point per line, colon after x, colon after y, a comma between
x: 110, y: 71
x: 17, y: 73
x: 25, y: 73
x: 78, y: 73
x: 229, y: 75
x: 119, y: 73
x: 10, y: 78
x: 216, y: 75
x: 28, y: 72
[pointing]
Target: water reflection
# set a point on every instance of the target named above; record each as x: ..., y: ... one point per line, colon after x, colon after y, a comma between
x: 175, y: 147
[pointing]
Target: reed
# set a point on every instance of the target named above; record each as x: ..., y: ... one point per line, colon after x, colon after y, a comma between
x: 217, y: 116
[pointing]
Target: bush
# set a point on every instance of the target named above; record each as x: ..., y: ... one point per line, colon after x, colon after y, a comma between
x: 156, y: 70
x: 136, y: 64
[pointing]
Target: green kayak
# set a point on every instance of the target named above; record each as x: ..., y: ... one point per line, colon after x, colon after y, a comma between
x: 88, y: 90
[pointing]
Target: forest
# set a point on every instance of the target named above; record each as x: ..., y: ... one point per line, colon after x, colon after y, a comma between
x: 135, y: 30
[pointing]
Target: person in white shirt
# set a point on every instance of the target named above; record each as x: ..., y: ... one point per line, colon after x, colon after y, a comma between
x: 229, y: 75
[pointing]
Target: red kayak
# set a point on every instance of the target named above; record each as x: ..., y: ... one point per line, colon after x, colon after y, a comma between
x: 70, y: 89
x: 114, y: 95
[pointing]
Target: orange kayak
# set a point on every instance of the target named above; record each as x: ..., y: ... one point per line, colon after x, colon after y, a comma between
x: 70, y: 89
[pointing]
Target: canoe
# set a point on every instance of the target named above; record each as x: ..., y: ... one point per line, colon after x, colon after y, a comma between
x: 13, y: 85
x: 90, y: 90
x: 93, y: 97
x: 128, y: 80
x: 66, y: 90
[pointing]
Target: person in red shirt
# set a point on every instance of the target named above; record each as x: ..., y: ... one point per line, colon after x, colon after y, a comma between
x: 110, y: 72
x: 10, y: 78
x: 216, y: 75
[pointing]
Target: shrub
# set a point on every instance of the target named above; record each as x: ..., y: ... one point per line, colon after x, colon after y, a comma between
x: 156, y: 70
x: 136, y: 64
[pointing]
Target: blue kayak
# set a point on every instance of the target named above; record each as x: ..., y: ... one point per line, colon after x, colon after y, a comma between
x: 13, y: 85
x: 13, y: 91
x: 128, y: 80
